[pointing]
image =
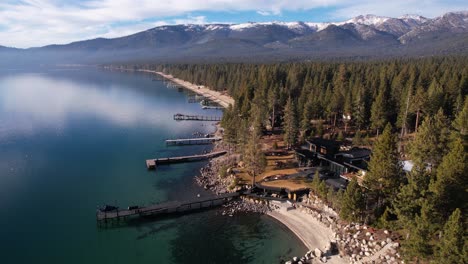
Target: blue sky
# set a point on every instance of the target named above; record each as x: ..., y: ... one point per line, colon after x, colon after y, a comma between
x: 32, y: 23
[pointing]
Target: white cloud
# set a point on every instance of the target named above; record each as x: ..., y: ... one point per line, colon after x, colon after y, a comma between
x: 396, y: 8
x: 39, y: 22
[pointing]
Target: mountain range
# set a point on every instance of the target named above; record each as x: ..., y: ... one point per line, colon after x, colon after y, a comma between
x: 362, y: 36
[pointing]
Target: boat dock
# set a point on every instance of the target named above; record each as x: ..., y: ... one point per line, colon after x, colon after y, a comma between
x: 166, y: 208
x: 212, y: 107
x: 180, y: 117
x: 152, y: 163
x: 192, y: 141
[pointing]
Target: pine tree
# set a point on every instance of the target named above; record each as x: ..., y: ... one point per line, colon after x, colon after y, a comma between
x: 453, y: 242
x: 418, y: 102
x: 357, y: 139
x: 409, y: 200
x: 379, y: 115
x: 254, y: 158
x: 417, y: 245
x: 430, y: 143
x: 290, y: 124
x: 461, y: 121
x: 384, y: 176
x: 451, y: 184
x: 353, y: 202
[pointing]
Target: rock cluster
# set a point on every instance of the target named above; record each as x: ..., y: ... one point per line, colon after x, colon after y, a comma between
x: 367, y: 245
x: 210, y: 177
x: 245, y: 205
x: 358, y: 243
x: 312, y: 256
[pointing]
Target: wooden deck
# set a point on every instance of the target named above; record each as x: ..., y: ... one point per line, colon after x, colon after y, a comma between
x: 167, y: 207
x: 152, y: 163
x: 192, y: 141
x: 180, y: 117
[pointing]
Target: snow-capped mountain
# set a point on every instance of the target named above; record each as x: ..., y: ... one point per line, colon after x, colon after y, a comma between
x: 365, y: 35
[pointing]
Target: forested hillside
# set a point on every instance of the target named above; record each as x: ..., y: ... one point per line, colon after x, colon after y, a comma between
x: 421, y: 104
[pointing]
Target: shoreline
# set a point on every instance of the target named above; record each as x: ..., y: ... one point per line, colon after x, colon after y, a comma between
x: 309, y: 231
x: 222, y: 99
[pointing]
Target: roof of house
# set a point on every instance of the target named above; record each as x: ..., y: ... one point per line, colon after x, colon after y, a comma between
x: 327, y: 143
x: 355, y: 153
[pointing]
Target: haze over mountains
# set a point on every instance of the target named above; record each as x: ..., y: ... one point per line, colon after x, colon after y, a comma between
x: 360, y: 37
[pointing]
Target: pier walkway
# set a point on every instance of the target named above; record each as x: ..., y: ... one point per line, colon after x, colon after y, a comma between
x: 152, y: 163
x: 180, y: 117
x: 192, y: 141
x: 167, y: 207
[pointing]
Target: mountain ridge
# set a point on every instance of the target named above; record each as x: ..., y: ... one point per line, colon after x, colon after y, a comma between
x: 364, y: 35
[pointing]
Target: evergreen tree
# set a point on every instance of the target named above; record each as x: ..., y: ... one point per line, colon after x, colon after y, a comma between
x: 290, y: 124
x: 254, y: 158
x: 411, y: 196
x: 430, y: 143
x: 379, y: 115
x: 451, y: 184
x: 417, y: 246
x: 357, y: 139
x: 353, y: 202
x: 453, y: 242
x: 461, y: 120
x: 384, y: 176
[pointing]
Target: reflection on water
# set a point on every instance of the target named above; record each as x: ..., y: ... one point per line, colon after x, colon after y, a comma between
x: 72, y: 140
x: 32, y: 101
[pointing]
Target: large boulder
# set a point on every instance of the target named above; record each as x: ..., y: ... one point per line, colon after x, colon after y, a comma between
x: 318, y: 253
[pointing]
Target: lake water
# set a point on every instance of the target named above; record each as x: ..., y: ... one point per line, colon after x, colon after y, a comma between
x: 73, y: 139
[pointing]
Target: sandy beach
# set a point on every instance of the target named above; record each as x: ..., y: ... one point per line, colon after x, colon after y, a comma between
x: 221, y: 98
x: 308, y: 229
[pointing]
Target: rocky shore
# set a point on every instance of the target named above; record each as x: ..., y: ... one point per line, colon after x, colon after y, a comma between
x: 355, y: 243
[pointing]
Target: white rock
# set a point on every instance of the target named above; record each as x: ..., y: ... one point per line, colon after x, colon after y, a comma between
x: 367, y: 253
x: 324, y: 259
x: 385, y: 232
x: 368, y: 233
x: 389, y: 240
x: 295, y: 259
x: 318, y: 253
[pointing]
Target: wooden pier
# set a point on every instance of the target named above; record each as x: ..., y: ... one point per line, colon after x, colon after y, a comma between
x: 152, y: 163
x: 166, y: 208
x: 212, y: 107
x: 192, y: 141
x: 180, y: 117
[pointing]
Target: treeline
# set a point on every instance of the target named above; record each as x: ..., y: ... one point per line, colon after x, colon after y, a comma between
x: 388, y: 98
x: 372, y: 93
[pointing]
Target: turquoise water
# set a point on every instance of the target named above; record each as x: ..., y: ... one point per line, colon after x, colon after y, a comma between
x: 73, y: 139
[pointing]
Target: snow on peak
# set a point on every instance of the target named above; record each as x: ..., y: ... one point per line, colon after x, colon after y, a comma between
x: 297, y: 27
x: 317, y: 26
x: 368, y: 20
x: 414, y: 17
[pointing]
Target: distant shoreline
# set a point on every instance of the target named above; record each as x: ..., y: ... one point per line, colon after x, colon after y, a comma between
x: 222, y: 99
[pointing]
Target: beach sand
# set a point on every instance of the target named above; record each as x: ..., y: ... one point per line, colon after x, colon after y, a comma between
x: 221, y: 98
x: 309, y: 230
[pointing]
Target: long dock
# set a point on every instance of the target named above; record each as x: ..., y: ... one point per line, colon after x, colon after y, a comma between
x: 152, y: 163
x: 180, y: 117
x: 166, y: 208
x: 192, y: 141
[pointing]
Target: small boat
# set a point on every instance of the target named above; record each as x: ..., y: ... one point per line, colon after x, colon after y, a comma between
x: 108, y: 208
x: 133, y: 207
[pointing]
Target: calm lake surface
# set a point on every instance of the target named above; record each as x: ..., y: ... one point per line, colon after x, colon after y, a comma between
x: 73, y: 139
